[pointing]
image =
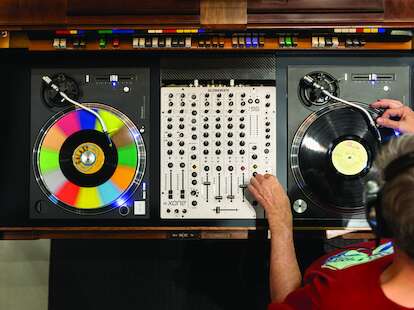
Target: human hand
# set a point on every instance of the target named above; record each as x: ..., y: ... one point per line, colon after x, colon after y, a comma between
x: 395, y: 108
x: 267, y: 190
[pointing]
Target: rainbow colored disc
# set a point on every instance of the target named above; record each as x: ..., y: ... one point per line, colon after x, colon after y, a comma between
x: 79, y: 170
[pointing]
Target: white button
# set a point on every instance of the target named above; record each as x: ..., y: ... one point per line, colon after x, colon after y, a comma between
x: 139, y: 207
x: 386, y: 88
x: 126, y: 89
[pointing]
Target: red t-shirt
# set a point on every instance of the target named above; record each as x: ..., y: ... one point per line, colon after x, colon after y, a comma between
x: 346, y: 279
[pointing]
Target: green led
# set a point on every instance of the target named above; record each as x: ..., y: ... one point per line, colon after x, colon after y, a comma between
x: 105, y: 31
x: 288, y: 41
x: 102, y: 42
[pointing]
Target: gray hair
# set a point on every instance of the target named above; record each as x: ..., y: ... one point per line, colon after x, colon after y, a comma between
x: 398, y: 194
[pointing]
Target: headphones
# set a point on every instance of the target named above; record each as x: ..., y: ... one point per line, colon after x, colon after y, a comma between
x: 373, y: 195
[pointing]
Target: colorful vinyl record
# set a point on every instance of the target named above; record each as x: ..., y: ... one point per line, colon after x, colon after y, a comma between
x: 79, y: 169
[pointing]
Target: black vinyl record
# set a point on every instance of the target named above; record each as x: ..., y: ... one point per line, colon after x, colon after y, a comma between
x: 332, y: 153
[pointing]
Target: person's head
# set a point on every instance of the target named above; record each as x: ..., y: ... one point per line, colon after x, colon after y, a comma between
x: 397, y: 201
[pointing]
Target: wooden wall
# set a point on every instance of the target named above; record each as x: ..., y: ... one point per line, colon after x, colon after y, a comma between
x: 57, y: 13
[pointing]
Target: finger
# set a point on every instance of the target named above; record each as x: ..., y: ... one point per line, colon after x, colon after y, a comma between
x: 254, y: 182
x: 255, y: 193
x: 393, y: 112
x: 386, y: 122
x: 259, y: 177
x: 387, y: 104
x: 267, y: 175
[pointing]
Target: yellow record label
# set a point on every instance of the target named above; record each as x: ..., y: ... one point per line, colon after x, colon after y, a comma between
x: 88, y: 158
x: 349, y: 157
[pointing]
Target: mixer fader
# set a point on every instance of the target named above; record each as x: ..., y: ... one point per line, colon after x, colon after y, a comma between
x: 213, y: 139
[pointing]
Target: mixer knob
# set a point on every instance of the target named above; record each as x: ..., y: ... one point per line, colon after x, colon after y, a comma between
x: 194, y: 137
x: 205, y: 152
x: 207, y: 95
x: 205, y: 126
x: 242, y: 111
x: 193, y: 128
x: 181, y: 143
x: 218, y: 168
x: 267, y: 144
x: 254, y: 156
x: 242, y: 119
x: 182, y: 111
x: 217, y: 119
x: 218, y: 152
x: 169, y: 126
x: 218, y: 143
x: 230, y: 143
x: 267, y: 104
x: 181, y: 119
x: 170, y: 104
x: 193, y: 121
x: 218, y: 126
x: 169, y: 152
x: 230, y: 119
x: 219, y: 95
x: 219, y: 103
x: 267, y: 137
x: 230, y: 152
x: 231, y: 103
x: 193, y: 97
x: 194, y: 203
x: 242, y: 135
x: 250, y: 100
x: 182, y: 103
x: 205, y: 119
x: 193, y: 157
x: 230, y: 111
x: 230, y: 135
x: 182, y: 165
x: 267, y: 124
x: 205, y: 143
x: 243, y: 103
x: 230, y: 126
x: 267, y: 130
x: 231, y: 95
x: 206, y: 168
x: 242, y: 126
x: 267, y: 96
x: 181, y: 135
x: 194, y: 174
x: 231, y: 168
x: 266, y: 151
x: 169, y: 143
x: 193, y: 104
x: 257, y: 101
x: 242, y: 143
x: 242, y: 152
x: 194, y: 113
x: 181, y: 152
x: 194, y: 182
x: 218, y: 111
x: 243, y: 95
x: 182, y: 95
x: 206, y: 103
x: 205, y: 135
x: 170, y: 95
x: 193, y: 193
x: 169, y: 119
x: 170, y: 165
x: 181, y: 126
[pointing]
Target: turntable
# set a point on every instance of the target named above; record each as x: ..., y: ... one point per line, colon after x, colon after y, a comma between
x: 332, y: 145
x: 89, y: 154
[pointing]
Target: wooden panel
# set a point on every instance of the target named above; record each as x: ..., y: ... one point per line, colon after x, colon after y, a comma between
x: 399, y: 10
x: 314, y: 19
x: 223, y: 12
x: 272, y: 6
x: 131, y: 7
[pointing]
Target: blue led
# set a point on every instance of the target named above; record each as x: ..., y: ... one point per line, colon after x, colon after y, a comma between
x: 397, y: 133
x: 255, y: 41
x: 114, y: 83
x: 123, y: 31
x: 248, y: 41
x: 381, y: 30
x: 201, y: 30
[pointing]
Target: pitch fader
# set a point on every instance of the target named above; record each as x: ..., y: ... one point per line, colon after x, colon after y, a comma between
x: 213, y: 139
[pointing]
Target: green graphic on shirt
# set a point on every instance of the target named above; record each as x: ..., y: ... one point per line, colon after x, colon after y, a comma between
x: 351, y: 258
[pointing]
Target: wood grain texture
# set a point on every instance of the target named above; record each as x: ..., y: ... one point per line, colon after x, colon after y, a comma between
x: 223, y: 12
x: 399, y: 10
x: 266, y: 6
